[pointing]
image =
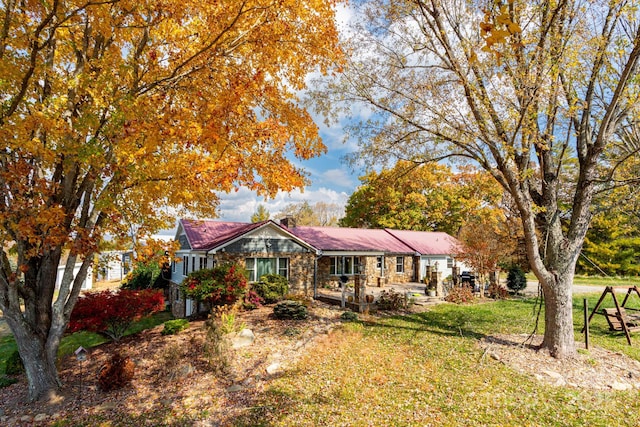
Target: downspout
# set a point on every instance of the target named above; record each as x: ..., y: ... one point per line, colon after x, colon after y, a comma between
x: 315, y: 274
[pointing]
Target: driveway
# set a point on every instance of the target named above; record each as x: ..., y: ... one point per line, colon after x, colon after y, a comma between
x: 532, y: 289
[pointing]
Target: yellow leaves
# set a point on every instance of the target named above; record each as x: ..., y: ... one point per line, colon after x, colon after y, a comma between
x: 498, y: 30
x: 160, y: 104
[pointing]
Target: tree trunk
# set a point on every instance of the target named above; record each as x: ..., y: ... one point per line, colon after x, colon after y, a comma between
x: 558, y: 334
x: 39, y: 359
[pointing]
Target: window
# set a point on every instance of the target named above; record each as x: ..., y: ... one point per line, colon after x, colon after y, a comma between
x: 348, y: 265
x: 185, y: 265
x: 283, y: 267
x: 193, y: 263
x: 399, y: 264
x: 380, y: 264
x: 449, y: 262
x: 173, y: 266
x: 203, y: 262
x: 258, y: 267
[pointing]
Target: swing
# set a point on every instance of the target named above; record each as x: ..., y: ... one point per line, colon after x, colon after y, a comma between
x: 617, y: 317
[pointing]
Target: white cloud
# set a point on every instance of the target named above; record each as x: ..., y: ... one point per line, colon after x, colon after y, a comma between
x: 338, y: 178
x: 239, y: 206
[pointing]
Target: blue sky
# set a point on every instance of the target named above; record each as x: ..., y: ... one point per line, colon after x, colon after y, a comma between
x: 332, y: 181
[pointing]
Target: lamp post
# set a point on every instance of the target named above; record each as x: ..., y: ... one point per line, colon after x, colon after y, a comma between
x: 81, y: 355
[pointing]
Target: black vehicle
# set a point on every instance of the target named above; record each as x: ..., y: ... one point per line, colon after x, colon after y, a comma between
x: 468, y: 279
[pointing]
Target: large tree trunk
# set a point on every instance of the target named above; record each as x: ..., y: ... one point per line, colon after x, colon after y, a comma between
x: 39, y: 358
x: 40, y: 325
x: 558, y: 320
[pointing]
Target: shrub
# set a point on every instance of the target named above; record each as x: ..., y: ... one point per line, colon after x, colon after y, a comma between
x: 145, y: 276
x: 117, y: 372
x: 227, y: 320
x: 460, y: 295
x: 171, y: 362
x: 290, y: 310
x: 390, y: 300
x: 7, y: 381
x: 14, y: 364
x: 496, y: 291
x: 349, y: 316
x: 516, y: 280
x: 218, y: 286
x: 271, y: 288
x: 301, y: 298
x: 252, y: 301
x: 111, y: 313
x: 172, y: 327
x: 216, y: 348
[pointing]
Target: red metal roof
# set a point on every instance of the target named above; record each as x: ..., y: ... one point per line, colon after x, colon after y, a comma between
x: 427, y: 242
x: 351, y: 239
x: 205, y: 235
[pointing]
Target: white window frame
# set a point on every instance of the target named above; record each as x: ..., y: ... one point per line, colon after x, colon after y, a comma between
x: 399, y: 264
x: 185, y: 265
x: 351, y: 265
x: 250, y: 266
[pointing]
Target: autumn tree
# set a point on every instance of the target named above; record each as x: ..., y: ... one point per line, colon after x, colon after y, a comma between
x: 612, y: 244
x: 124, y: 112
x: 486, y: 242
x: 261, y: 214
x: 322, y: 214
x: 415, y: 196
x: 533, y: 92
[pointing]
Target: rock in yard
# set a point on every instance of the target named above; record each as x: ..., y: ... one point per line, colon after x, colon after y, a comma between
x: 234, y: 388
x: 621, y: 386
x: 273, y: 368
x: 559, y: 379
x: 244, y: 338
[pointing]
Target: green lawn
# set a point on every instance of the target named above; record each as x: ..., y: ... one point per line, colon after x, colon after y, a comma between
x: 85, y: 339
x: 598, y: 280
x: 427, y: 369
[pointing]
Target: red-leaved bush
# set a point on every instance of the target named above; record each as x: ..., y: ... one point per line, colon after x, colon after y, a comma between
x: 221, y: 285
x: 111, y: 313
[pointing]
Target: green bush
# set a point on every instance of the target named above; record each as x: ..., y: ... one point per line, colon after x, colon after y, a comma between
x: 516, y: 280
x: 14, y: 364
x: 349, y: 316
x: 271, y: 288
x: 301, y: 298
x: 172, y: 327
x: 145, y: 276
x: 290, y: 310
x: 7, y: 381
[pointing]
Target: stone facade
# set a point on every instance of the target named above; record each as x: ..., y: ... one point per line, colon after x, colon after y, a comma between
x: 301, y: 269
x: 370, y: 271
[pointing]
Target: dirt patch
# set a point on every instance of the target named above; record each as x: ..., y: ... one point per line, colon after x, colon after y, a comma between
x: 173, y: 377
x: 594, y: 369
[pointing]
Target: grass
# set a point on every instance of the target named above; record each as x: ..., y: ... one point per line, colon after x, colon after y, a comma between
x: 597, y: 280
x: 427, y: 369
x: 85, y: 339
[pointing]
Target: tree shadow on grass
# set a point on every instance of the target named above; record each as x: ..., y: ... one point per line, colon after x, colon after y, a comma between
x: 470, y: 321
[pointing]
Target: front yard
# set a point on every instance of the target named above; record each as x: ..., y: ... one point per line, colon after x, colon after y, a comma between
x: 451, y: 365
